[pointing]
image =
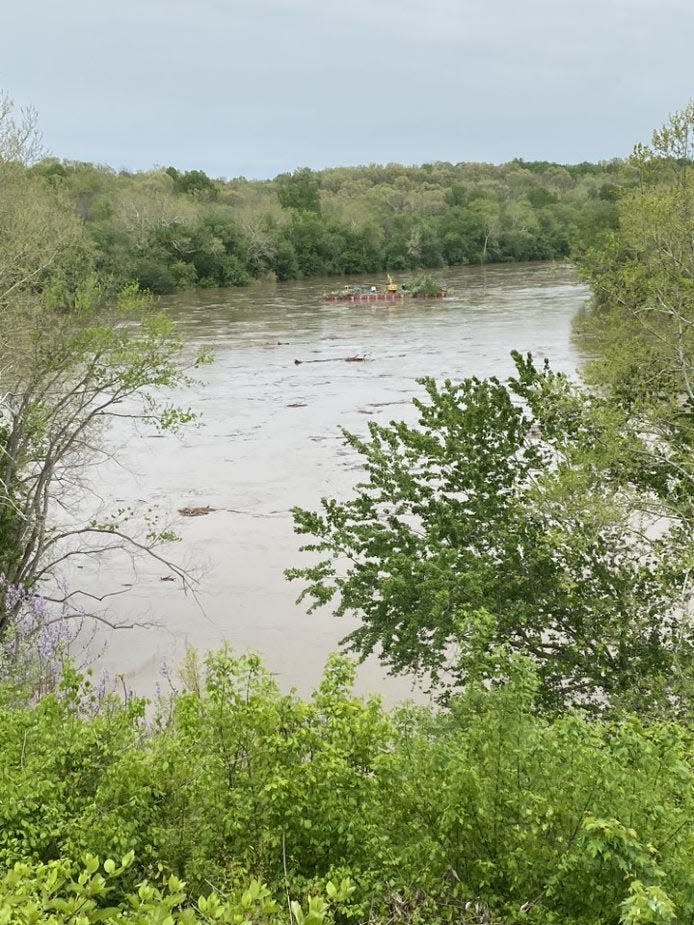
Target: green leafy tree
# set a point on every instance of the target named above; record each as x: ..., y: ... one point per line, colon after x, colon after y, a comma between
x: 299, y: 190
x: 194, y: 183
x: 73, y: 355
x: 642, y: 319
x: 511, y: 516
x: 70, y: 374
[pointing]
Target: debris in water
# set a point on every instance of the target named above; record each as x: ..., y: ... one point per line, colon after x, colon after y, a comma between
x: 196, y: 511
x: 354, y: 359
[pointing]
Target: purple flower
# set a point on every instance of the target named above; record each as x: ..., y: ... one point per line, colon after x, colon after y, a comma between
x: 37, y: 642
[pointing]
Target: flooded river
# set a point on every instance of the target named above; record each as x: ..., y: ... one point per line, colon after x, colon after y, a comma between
x: 269, y: 439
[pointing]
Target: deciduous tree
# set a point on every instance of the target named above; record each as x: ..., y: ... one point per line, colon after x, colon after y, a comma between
x: 513, y: 516
x: 72, y: 356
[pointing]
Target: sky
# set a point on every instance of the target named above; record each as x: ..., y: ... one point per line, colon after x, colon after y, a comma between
x: 257, y: 87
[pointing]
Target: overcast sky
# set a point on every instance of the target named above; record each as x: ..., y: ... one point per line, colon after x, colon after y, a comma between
x: 257, y: 87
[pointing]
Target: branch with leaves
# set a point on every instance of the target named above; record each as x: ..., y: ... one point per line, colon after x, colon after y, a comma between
x: 516, y: 515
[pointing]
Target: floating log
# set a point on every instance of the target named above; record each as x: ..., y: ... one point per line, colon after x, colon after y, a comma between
x: 354, y: 359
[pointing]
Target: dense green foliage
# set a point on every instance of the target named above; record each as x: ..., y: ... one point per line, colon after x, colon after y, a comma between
x: 484, y: 812
x: 62, y: 891
x: 169, y: 230
x: 642, y: 318
x: 511, y: 515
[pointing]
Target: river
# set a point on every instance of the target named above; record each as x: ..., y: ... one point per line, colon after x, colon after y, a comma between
x: 269, y: 438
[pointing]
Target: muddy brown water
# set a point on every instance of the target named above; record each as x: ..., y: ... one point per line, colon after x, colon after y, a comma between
x: 269, y: 438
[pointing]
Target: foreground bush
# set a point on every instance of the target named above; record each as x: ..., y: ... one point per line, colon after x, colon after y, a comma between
x: 484, y: 812
x: 59, y: 893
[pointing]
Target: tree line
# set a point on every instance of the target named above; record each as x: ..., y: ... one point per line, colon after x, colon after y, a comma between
x: 169, y: 230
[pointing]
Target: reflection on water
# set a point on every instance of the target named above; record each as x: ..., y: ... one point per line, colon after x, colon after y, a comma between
x: 269, y: 439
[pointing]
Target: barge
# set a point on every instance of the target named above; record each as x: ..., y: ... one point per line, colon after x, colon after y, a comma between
x: 423, y: 288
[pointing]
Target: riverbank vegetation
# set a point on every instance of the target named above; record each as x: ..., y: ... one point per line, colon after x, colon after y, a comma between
x: 526, y: 548
x: 485, y: 812
x: 168, y: 230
